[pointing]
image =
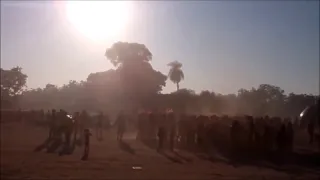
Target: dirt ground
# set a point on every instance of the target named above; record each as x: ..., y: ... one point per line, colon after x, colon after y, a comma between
x: 130, y: 160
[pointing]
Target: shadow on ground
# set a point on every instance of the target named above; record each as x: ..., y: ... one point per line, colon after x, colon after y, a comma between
x: 42, y: 146
x: 150, y: 143
x: 294, y: 163
x: 187, y: 159
x: 53, y: 146
x: 126, y: 147
x: 50, y: 145
x: 170, y: 157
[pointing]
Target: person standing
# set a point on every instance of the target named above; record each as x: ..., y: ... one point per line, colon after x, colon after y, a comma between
x: 121, y: 125
x: 83, y: 124
x: 87, y: 135
x: 99, y: 126
x: 52, y: 124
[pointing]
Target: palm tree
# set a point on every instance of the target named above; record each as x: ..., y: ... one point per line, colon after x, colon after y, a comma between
x: 175, y: 73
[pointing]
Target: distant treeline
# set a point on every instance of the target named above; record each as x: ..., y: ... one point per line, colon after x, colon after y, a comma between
x: 134, y: 84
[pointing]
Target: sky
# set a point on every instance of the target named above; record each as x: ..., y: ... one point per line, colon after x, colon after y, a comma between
x: 223, y: 45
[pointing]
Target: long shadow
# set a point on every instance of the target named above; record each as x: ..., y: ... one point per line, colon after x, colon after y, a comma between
x: 150, y: 143
x: 73, y: 147
x: 51, y: 145
x: 84, y: 158
x: 67, y: 150
x: 312, y: 160
x: 54, y: 146
x: 187, y: 159
x: 303, y: 163
x: 42, y: 146
x: 273, y: 160
x: 126, y: 147
x: 211, y: 158
x: 174, y: 160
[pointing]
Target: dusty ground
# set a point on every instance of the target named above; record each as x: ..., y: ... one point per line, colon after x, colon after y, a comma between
x: 108, y: 160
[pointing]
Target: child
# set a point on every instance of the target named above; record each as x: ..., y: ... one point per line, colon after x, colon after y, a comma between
x: 87, y: 135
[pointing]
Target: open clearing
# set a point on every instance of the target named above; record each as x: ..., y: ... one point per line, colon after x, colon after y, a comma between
x: 131, y: 160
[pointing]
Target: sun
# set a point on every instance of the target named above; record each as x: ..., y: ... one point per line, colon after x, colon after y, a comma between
x: 99, y: 20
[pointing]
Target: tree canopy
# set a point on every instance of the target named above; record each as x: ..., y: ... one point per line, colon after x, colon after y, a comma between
x: 138, y: 80
x: 123, y: 53
x: 13, y: 82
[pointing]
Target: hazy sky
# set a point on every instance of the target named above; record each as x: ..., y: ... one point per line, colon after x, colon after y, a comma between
x: 223, y: 46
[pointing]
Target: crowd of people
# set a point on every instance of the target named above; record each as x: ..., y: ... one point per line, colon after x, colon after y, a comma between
x: 204, y: 132
x: 171, y: 130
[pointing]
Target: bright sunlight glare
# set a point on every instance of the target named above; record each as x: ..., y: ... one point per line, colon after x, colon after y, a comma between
x: 99, y: 20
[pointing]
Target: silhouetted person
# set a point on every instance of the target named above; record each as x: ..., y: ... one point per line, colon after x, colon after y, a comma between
x: 235, y: 133
x: 311, y: 132
x: 75, y: 118
x: 99, y: 126
x: 140, y: 126
x: 200, y: 131
x: 191, y: 131
x: 143, y: 119
x: 121, y: 126
x: 161, y: 136
x: 65, y: 128
x: 290, y: 136
x: 53, y: 124
x: 267, y: 138
x: 281, y: 138
x: 42, y: 116
x: 151, y: 125
x: 47, y: 117
x: 172, y: 136
x: 182, y: 126
x: 172, y: 131
x: 258, y: 136
x: 296, y: 122
x: 251, y: 129
x: 106, y: 122
x: 83, y: 124
x: 87, y: 135
x: 19, y: 115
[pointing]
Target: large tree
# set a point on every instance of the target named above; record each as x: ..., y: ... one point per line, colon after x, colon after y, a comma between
x: 124, y: 53
x: 176, y: 73
x: 295, y: 103
x: 138, y: 79
x: 12, y: 83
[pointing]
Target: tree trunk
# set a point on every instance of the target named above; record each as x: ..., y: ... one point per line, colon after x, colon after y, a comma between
x: 177, y: 86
